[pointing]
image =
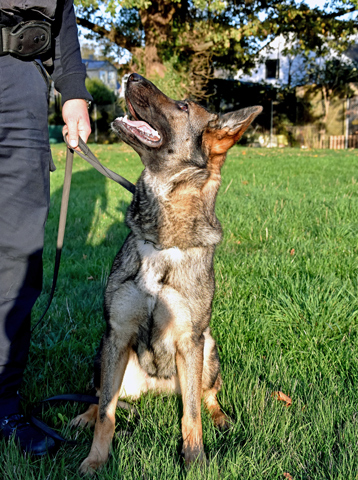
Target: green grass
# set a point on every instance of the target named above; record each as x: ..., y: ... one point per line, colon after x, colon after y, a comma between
x: 284, y: 316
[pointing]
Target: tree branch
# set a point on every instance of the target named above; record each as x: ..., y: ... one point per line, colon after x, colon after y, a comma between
x: 113, y: 34
x: 339, y: 13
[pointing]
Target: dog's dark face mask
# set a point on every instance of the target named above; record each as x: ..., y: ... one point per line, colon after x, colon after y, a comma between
x: 169, y: 133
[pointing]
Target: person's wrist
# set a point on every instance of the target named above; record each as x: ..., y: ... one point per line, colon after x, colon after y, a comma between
x: 84, y: 100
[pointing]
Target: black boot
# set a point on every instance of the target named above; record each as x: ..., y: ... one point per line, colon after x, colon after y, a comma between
x: 31, y: 439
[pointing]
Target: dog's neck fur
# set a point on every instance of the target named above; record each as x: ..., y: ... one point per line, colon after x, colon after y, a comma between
x: 182, y: 197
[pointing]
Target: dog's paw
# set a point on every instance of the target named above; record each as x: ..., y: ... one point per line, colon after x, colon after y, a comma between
x: 222, y: 422
x: 89, y: 466
x: 87, y: 419
x: 195, y: 457
x: 83, y: 421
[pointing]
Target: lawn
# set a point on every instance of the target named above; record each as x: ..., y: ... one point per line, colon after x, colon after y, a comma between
x: 284, y: 316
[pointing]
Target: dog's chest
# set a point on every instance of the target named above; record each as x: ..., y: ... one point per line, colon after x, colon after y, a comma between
x: 156, y: 265
x: 155, y: 344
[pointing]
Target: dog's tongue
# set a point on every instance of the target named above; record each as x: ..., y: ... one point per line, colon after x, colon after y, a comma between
x: 142, y: 127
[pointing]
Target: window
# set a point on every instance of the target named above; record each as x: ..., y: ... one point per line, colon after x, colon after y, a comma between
x: 112, y: 79
x: 272, y: 69
x: 103, y: 76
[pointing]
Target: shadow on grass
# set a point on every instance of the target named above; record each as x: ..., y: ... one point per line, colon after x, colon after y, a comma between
x: 73, y: 326
x: 94, y: 231
x: 85, y: 207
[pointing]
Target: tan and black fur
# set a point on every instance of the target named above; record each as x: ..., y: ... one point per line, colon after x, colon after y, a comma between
x: 160, y: 290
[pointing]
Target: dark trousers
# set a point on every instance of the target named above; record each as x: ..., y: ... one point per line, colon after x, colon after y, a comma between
x: 24, y: 202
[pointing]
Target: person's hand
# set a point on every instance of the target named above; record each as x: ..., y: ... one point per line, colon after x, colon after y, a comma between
x: 77, y: 122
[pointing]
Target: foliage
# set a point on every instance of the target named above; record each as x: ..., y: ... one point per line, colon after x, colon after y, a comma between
x: 206, y: 37
x: 331, y: 79
x: 174, y: 81
x: 55, y: 111
x: 101, y: 94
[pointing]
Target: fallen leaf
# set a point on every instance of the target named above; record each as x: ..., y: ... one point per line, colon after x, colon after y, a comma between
x: 282, y: 397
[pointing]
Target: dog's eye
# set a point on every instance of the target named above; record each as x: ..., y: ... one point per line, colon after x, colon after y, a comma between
x: 183, y: 106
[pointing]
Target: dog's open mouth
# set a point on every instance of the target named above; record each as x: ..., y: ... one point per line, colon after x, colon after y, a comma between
x: 144, y: 132
x: 141, y: 130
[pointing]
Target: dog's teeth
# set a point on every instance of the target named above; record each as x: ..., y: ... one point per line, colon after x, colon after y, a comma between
x: 141, y: 126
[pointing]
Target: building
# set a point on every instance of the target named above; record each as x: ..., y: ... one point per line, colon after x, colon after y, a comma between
x: 104, y: 71
x: 278, y: 68
x: 275, y: 67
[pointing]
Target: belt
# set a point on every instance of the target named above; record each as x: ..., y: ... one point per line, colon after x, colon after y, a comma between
x: 25, y: 40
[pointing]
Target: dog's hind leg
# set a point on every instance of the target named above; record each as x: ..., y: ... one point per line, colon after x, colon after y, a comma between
x: 105, y: 423
x: 126, y: 311
x: 211, y: 402
x: 212, y: 382
x: 86, y: 419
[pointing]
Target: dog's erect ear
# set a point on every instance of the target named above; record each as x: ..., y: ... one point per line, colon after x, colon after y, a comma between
x: 227, y: 129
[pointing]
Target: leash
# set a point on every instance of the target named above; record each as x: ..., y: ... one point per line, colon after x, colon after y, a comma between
x: 87, y: 155
x: 74, y: 397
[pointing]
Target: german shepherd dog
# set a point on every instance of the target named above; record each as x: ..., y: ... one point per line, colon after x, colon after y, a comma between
x: 159, y: 295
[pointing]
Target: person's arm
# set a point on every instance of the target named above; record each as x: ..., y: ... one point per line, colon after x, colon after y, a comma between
x: 69, y: 76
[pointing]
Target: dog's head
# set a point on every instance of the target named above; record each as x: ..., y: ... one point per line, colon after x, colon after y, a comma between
x: 167, y: 133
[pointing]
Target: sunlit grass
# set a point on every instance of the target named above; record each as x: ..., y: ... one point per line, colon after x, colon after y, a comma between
x: 284, y: 316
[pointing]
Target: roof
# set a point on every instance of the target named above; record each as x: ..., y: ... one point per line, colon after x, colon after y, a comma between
x: 97, y: 64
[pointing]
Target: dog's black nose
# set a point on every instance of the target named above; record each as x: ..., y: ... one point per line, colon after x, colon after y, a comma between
x: 135, y: 77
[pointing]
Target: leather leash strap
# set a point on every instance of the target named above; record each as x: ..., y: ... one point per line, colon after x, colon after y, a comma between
x: 73, y: 397
x: 87, y: 155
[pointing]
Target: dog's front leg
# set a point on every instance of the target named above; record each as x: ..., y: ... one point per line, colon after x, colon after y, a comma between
x: 189, y: 360
x: 113, y: 364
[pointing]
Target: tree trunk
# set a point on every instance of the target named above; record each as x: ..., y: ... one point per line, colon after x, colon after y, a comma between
x: 156, y: 21
x: 325, y: 103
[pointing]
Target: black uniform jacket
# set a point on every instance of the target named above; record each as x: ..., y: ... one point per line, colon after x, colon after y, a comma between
x: 66, y: 67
